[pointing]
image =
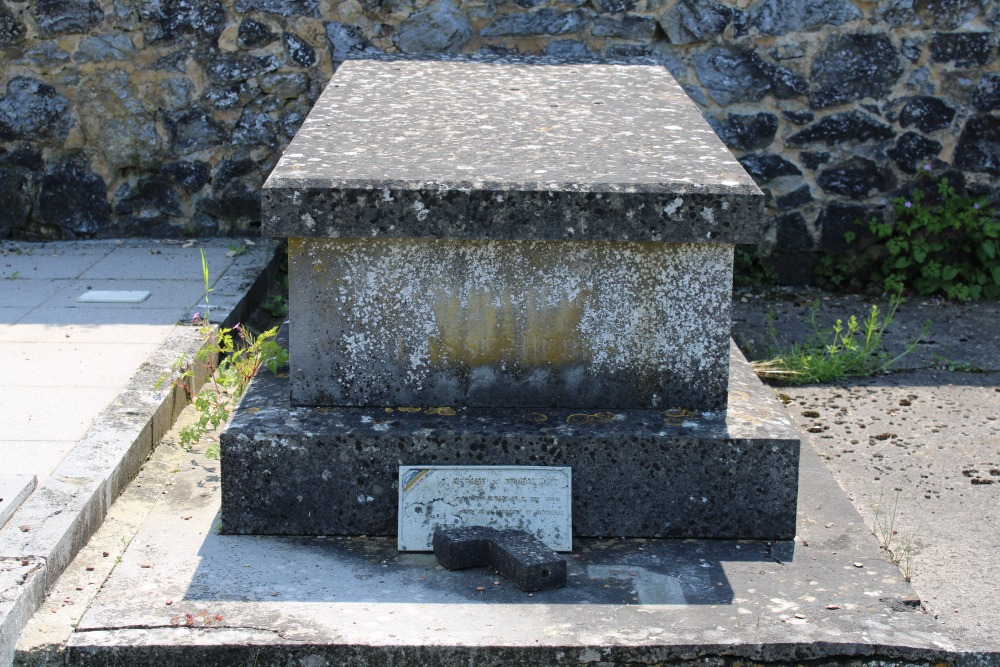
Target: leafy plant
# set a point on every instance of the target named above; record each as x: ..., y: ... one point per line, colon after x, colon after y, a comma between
x: 852, y: 350
x: 948, y: 244
x: 748, y: 270
x: 231, y: 358
x: 231, y: 362
x: 276, y: 305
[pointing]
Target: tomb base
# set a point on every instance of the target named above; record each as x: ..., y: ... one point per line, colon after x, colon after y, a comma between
x: 728, y: 474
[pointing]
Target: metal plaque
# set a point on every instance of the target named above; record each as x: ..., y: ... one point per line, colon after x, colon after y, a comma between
x: 535, y: 499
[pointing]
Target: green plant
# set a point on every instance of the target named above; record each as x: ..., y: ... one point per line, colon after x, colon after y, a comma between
x: 230, y: 357
x: 276, y: 305
x: 749, y: 270
x: 235, y: 250
x: 231, y: 362
x: 854, y: 350
x: 945, y: 245
x: 13, y: 276
x: 901, y: 550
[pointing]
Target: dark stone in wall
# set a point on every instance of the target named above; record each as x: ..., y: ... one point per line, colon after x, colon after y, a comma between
x: 252, y: 34
x: 911, y: 149
x: 235, y: 207
x: 231, y: 97
x: 978, y: 147
x: 193, y: 130
x: 927, y: 113
x: 846, y: 126
x: 567, y: 48
x: 730, y: 74
x: 856, y: 178
x: 24, y: 157
x: 837, y: 219
x: 798, y: 197
x: 102, y: 48
x: 784, y: 82
x: 792, y: 232
x: 438, y: 28
x: 964, y: 49
x: 986, y: 97
x: 780, y: 17
x: 547, y: 21
x: 282, y: 7
x: 299, y: 50
x: 60, y: 16
x: 941, y: 14
x: 625, y: 27
x: 748, y: 132
x: 696, y: 20
x: 15, y: 200
x: 793, y: 265
x: 798, y: 117
x: 73, y: 197
x: 851, y: 67
x: 192, y: 175
x: 734, y: 74
x: 912, y: 48
x: 813, y: 159
x: 33, y: 111
x: 255, y: 129
x: 167, y: 20
x: 345, y: 40
x: 229, y: 68
x: 615, y: 6
x: 768, y: 166
x: 11, y: 27
x: 148, y: 197
x: 230, y: 170
x: 173, y: 62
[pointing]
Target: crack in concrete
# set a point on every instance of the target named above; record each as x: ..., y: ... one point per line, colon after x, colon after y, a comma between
x: 181, y: 626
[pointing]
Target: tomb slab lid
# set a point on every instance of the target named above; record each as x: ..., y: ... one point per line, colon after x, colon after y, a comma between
x: 533, y: 148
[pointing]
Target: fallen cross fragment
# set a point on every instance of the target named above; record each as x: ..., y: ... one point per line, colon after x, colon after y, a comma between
x: 518, y: 556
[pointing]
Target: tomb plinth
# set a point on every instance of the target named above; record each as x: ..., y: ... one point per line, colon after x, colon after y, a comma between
x: 509, y: 242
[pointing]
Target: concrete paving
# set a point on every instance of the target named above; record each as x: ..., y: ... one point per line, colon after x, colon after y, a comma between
x: 78, y: 408
x: 157, y: 584
x: 919, y: 447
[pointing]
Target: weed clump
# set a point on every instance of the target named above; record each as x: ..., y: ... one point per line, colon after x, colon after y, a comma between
x: 841, y: 351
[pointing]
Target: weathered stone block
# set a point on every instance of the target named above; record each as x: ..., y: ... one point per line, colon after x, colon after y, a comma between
x: 509, y: 323
x: 670, y: 473
x: 553, y: 151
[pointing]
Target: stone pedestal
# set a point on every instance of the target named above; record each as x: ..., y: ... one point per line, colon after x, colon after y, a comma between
x: 492, y: 240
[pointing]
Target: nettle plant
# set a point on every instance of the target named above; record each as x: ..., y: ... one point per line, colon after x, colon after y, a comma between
x: 231, y: 357
x: 938, y: 245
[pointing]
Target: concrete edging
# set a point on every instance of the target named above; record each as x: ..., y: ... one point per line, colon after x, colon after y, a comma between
x: 67, y: 508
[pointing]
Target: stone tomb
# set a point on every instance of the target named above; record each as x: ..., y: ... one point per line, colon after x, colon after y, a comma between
x: 511, y: 263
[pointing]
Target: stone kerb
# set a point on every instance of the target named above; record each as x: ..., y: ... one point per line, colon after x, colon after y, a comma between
x: 500, y: 233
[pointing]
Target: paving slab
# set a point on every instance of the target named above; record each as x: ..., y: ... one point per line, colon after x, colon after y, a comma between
x: 184, y: 594
x: 13, y: 490
x: 920, y: 445
x: 80, y: 407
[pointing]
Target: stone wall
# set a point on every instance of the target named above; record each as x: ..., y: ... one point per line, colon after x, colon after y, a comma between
x: 163, y: 117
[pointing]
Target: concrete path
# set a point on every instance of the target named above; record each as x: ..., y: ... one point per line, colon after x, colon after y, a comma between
x: 917, y: 450
x: 86, y: 329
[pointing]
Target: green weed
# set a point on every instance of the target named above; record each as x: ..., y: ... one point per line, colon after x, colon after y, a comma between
x: 231, y: 362
x: 231, y: 357
x: 841, y: 351
x: 901, y: 550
